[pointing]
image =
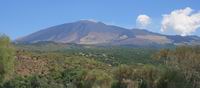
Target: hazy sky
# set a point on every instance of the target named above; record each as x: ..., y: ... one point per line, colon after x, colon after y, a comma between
x: 21, y: 17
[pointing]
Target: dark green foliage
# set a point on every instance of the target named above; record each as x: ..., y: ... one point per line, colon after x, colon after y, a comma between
x: 74, y: 77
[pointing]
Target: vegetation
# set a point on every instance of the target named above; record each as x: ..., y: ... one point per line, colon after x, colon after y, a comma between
x: 51, y: 65
x: 6, y: 58
x: 185, y: 59
x: 112, y: 55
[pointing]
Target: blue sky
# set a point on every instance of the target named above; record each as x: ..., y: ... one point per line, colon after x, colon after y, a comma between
x: 21, y: 17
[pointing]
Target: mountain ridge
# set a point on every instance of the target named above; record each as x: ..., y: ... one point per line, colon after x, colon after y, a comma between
x: 95, y: 33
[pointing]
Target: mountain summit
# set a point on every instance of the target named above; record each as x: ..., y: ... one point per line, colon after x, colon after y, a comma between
x: 92, y: 32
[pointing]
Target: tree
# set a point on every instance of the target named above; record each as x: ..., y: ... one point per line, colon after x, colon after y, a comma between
x: 6, y: 58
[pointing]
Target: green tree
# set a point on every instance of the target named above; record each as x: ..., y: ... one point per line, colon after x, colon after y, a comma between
x: 6, y: 58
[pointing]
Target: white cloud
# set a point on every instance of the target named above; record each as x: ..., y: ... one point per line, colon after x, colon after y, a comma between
x: 143, y: 20
x: 182, y: 21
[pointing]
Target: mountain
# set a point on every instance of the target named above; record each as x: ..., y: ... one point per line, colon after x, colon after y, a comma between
x: 98, y: 33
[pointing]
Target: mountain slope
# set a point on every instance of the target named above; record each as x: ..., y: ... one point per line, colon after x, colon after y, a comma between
x: 83, y: 32
x: 89, y: 32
